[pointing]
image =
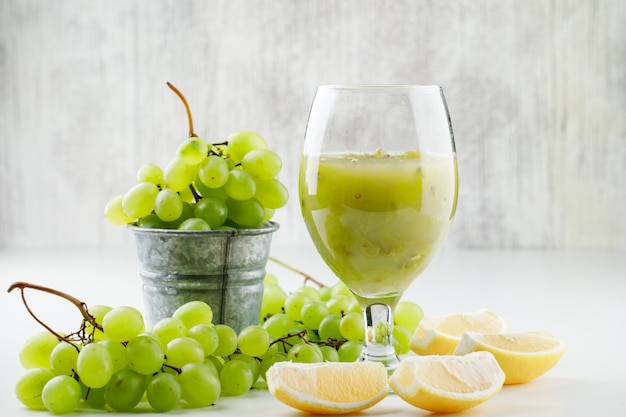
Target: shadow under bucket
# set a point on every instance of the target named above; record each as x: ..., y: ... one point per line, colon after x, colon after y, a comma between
x: 224, y: 268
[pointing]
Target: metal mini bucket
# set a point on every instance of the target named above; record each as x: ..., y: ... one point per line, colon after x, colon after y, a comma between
x: 224, y: 268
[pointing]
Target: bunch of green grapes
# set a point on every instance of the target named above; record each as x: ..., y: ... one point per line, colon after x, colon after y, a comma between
x: 232, y: 184
x: 117, y: 363
x: 325, y: 324
x: 185, y: 358
x: 205, y: 187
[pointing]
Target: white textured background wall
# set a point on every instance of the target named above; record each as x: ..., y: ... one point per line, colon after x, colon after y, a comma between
x: 536, y: 90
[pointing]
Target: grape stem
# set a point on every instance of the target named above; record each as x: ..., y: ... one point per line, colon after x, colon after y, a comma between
x: 306, y: 276
x: 187, y: 109
x: 82, y: 307
x: 197, y: 197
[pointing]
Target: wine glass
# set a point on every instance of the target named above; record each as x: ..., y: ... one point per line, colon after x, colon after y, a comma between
x: 378, y: 191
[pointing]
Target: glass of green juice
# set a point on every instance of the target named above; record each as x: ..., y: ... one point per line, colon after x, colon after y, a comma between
x: 378, y: 189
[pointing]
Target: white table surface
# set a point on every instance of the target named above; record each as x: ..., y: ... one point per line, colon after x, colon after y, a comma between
x: 578, y: 296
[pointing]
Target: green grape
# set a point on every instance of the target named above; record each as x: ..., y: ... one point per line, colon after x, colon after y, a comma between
x: 263, y: 164
x: 242, y: 142
x: 350, y: 351
x: 311, y: 335
x: 186, y: 214
x: 247, y: 213
x: 271, y: 193
x: 93, y: 396
x: 296, y: 337
x: 212, y: 210
x: 311, y: 292
x: 270, y: 279
x: 97, y: 312
x: 145, y: 354
x: 124, y: 390
x: 199, y: 384
x: 273, y: 299
x: 253, y: 340
x: 154, y: 222
x: 329, y: 328
x: 193, y: 151
x: 186, y: 195
x: 213, y: 172
x: 305, y: 353
x: 167, y: 205
x: 215, y: 363
x: 210, y: 192
x: 402, y: 335
x: 61, y: 394
x: 252, y: 362
x: 269, y: 213
x: 313, y: 313
x: 151, y: 221
x: 294, y: 303
x: 63, y: 358
x: 278, y: 325
x: 225, y: 227
x: 341, y: 289
x: 382, y: 332
x: 352, y: 326
x: 206, y: 335
x: 163, y: 392
x: 339, y: 305
x: 150, y: 173
x: 117, y: 350
x: 325, y: 294
x: 227, y: 340
x: 239, y: 185
x: 94, y: 365
x: 178, y: 174
x: 408, y: 314
x: 36, y: 350
x: 169, y: 328
x: 194, y: 224
x: 114, y: 212
x: 354, y: 307
x: 30, y: 385
x: 139, y: 200
x: 330, y: 354
x: 183, y: 350
x: 270, y: 359
x: 236, y: 377
x: 194, y: 312
x: 122, y: 323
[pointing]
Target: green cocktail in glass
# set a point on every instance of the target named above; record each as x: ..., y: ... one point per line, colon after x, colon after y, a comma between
x: 378, y: 191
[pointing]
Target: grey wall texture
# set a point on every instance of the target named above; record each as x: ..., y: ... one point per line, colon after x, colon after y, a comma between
x: 536, y: 91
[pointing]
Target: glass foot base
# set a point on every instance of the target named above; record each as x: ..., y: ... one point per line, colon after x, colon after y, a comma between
x: 389, y: 360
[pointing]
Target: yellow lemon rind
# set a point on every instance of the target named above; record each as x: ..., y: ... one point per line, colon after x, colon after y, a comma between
x: 429, y: 339
x: 303, y: 400
x: 427, y: 397
x: 519, y: 367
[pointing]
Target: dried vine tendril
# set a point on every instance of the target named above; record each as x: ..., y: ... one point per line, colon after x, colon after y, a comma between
x: 82, y: 334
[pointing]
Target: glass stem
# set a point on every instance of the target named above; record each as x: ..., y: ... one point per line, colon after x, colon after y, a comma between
x: 378, y: 336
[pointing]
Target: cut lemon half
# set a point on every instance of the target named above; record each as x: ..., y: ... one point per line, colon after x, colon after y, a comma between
x: 328, y: 388
x: 447, y: 384
x: 440, y: 335
x: 522, y: 356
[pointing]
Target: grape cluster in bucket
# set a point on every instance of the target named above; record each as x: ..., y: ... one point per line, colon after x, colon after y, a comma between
x: 231, y: 184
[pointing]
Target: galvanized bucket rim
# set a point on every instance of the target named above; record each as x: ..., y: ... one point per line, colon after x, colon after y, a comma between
x: 268, y: 227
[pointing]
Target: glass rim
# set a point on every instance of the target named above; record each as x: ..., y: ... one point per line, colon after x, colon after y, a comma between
x: 379, y: 87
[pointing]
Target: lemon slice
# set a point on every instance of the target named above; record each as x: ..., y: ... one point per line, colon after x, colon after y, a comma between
x: 447, y: 384
x: 440, y: 335
x: 328, y: 388
x: 522, y: 356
